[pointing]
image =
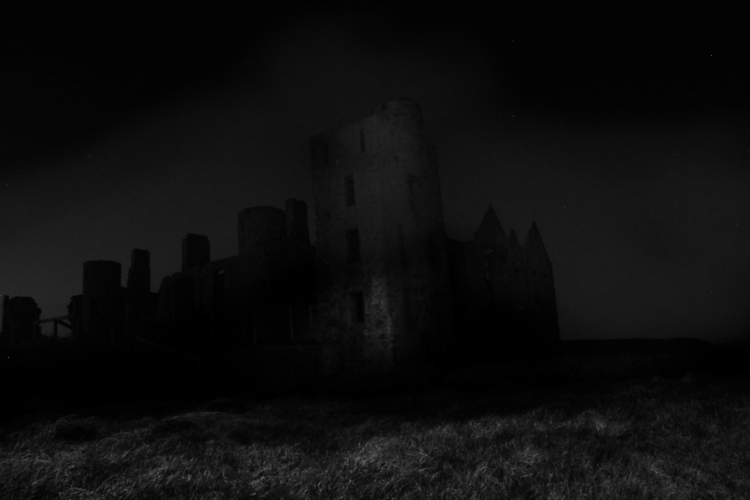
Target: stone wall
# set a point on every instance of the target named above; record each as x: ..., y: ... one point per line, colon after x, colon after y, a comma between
x: 264, y: 295
x: 400, y: 274
x: 383, y: 285
x: 138, y: 292
x: 103, y: 303
x: 196, y: 251
x: 18, y: 316
x: 75, y: 315
x: 504, y: 297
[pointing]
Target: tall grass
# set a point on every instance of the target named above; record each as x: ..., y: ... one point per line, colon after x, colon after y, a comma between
x: 645, y: 438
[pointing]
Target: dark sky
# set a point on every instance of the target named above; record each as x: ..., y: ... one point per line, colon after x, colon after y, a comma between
x: 626, y: 140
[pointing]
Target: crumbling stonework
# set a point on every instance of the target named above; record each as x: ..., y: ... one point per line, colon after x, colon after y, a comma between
x: 504, y: 292
x: 109, y: 314
x: 196, y: 251
x: 383, y: 288
x: 103, y: 303
x: 176, y: 310
x: 139, y: 300
x: 75, y: 315
x: 262, y: 296
x: 382, y: 269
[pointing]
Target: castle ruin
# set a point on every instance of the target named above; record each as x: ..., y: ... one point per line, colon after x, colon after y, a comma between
x: 383, y: 287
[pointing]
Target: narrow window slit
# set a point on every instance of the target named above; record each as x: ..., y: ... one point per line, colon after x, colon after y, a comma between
x: 349, y: 190
x: 352, y: 240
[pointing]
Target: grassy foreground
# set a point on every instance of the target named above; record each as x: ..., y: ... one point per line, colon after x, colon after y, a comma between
x: 644, y: 438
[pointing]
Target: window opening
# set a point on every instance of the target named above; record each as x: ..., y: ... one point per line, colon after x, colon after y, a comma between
x: 353, y: 254
x: 349, y: 190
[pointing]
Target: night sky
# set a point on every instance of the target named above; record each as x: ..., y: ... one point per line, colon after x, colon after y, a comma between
x: 626, y: 140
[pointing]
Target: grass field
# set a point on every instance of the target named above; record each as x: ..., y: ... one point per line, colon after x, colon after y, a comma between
x: 650, y: 437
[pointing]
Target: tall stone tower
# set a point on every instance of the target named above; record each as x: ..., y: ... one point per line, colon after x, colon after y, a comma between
x: 382, y: 267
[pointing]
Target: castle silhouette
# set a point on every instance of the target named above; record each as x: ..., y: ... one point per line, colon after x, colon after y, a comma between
x: 382, y: 287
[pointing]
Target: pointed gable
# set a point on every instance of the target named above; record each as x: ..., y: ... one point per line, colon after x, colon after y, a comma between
x: 490, y: 224
x: 491, y: 234
x: 513, y: 240
x: 514, y: 247
x: 516, y: 253
x: 535, y: 246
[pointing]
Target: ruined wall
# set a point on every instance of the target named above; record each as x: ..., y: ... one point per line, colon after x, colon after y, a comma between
x: 103, y: 303
x: 276, y: 265
x: 75, y: 315
x: 261, y: 230
x: 139, y: 274
x: 504, y: 292
x: 177, y: 312
x: 196, y: 251
x: 382, y: 270
x: 198, y: 306
x: 261, y: 296
x: 383, y: 288
x: 196, y: 263
x: 18, y: 316
x: 223, y: 283
x: 138, y: 292
x: 263, y: 254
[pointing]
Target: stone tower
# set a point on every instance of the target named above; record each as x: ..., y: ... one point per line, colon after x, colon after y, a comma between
x: 383, y: 280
